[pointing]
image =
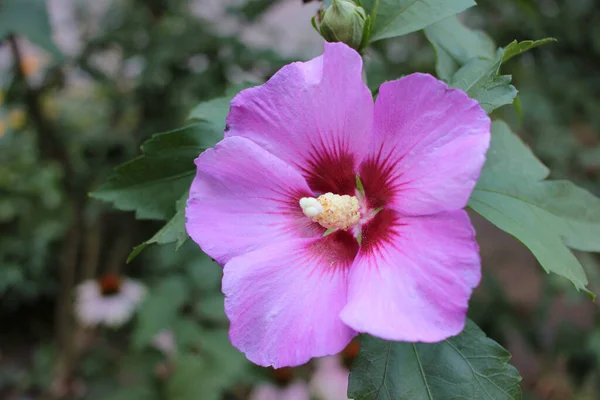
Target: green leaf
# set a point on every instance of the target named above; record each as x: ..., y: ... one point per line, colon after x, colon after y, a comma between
x: 151, y: 184
x: 455, y: 45
x: 480, y: 80
x: 515, y: 48
x: 159, y: 311
x: 173, y: 232
x: 133, y: 393
x: 30, y: 19
x: 215, y: 367
x: 251, y: 10
x: 204, y: 274
x: 547, y: 216
x: 400, y: 17
x: 468, y: 60
x: 212, y: 307
x: 215, y: 111
x: 188, y: 381
x: 467, y: 366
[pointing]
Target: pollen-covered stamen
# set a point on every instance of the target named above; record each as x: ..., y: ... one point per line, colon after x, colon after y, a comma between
x: 332, y: 211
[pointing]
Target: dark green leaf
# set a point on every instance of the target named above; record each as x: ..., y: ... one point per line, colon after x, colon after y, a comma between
x: 454, y: 45
x: 215, y: 111
x: 151, y: 184
x: 515, y: 48
x: 159, y: 311
x: 467, y: 366
x: 30, y: 19
x: 400, y: 17
x: 173, y: 232
x: 547, y: 216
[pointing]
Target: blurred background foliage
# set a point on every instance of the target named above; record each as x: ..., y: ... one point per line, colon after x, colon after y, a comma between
x: 126, y: 69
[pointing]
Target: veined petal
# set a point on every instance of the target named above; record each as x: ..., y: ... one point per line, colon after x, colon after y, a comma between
x: 413, y: 277
x: 244, y: 198
x: 315, y: 115
x: 284, y: 300
x: 428, y: 147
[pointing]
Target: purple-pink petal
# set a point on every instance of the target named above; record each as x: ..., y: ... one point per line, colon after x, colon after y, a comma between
x: 291, y: 293
x: 244, y: 198
x: 413, y: 277
x: 283, y: 301
x: 315, y: 115
x: 428, y: 147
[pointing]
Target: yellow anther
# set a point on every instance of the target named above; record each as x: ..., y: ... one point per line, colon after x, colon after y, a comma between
x: 332, y: 211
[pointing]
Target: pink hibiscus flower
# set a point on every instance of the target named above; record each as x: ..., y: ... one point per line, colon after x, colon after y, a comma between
x: 402, y: 260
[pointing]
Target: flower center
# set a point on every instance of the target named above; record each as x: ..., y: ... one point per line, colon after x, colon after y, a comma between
x: 110, y: 284
x: 332, y: 211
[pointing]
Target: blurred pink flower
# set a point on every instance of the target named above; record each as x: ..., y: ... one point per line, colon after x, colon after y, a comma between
x: 111, y: 300
x: 330, y: 380
x: 266, y: 391
x: 165, y: 342
x: 311, y: 256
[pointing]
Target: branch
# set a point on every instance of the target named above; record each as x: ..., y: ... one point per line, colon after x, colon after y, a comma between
x: 50, y: 145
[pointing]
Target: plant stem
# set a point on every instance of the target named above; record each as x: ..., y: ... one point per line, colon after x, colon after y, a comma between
x: 51, y: 147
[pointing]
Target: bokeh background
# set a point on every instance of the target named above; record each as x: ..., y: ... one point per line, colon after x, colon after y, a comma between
x: 131, y: 68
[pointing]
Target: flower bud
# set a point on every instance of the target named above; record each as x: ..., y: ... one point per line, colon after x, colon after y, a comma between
x: 343, y: 21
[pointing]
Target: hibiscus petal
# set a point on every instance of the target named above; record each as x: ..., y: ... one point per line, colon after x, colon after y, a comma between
x: 315, y: 115
x: 428, y: 148
x: 283, y: 301
x: 243, y: 198
x: 413, y: 277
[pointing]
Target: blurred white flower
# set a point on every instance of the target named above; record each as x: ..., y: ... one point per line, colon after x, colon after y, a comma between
x: 110, y: 300
x: 330, y: 380
x: 165, y: 341
x: 266, y: 391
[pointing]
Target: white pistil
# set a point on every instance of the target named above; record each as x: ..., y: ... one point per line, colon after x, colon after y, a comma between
x: 311, y: 207
x: 332, y: 211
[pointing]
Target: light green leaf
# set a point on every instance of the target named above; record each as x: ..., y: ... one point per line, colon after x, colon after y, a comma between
x: 480, y: 80
x: 515, y: 48
x: 215, y: 111
x: 547, y: 216
x: 151, y: 184
x: 173, y: 232
x: 30, y: 19
x: 159, y: 310
x: 400, y: 17
x: 454, y: 45
x: 468, y: 60
x: 467, y: 366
